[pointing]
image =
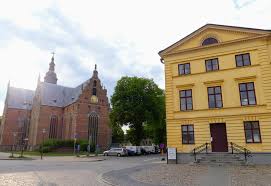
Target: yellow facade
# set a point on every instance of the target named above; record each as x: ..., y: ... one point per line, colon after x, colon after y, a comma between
x: 232, y: 41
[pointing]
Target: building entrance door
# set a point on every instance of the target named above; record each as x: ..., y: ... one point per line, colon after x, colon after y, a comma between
x: 219, y: 140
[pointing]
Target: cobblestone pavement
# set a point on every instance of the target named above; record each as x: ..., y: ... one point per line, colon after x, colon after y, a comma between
x: 192, y: 174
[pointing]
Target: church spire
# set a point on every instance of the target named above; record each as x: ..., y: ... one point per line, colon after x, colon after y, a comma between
x: 50, y: 76
x: 95, y: 72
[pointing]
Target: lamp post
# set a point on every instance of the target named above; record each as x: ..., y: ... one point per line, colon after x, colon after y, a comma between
x: 14, y: 138
x: 74, y: 143
x: 43, y: 133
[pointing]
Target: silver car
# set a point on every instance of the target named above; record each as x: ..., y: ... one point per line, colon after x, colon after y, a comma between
x: 116, y: 152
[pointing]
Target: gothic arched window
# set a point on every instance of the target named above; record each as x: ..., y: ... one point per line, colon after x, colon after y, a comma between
x: 94, y: 91
x: 53, y: 127
x: 23, y: 129
x: 209, y: 41
x: 93, y: 121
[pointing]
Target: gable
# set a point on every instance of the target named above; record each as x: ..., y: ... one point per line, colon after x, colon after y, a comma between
x: 221, y: 33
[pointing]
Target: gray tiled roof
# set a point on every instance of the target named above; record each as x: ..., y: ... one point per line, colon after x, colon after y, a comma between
x: 59, y: 96
x: 20, y: 98
x: 51, y: 95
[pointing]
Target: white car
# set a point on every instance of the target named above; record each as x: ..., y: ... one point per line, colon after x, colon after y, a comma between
x: 116, y: 152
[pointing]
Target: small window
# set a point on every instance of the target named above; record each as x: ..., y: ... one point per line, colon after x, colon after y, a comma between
x: 94, y: 83
x: 215, y: 97
x: 188, y: 134
x: 186, y: 100
x: 209, y: 41
x: 247, y: 94
x: 94, y: 91
x: 53, y: 127
x: 252, y: 132
x: 242, y: 60
x: 184, y: 69
x: 211, y: 64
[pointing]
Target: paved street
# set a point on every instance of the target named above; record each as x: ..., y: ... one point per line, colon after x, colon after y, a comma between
x: 131, y: 171
x: 66, y: 170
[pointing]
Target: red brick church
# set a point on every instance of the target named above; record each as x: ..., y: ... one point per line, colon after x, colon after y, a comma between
x: 56, y: 112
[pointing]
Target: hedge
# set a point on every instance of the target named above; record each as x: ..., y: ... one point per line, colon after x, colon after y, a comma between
x: 51, y: 144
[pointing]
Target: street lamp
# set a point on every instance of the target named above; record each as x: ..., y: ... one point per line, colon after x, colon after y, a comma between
x: 43, y: 133
x: 74, y: 143
x: 14, y: 139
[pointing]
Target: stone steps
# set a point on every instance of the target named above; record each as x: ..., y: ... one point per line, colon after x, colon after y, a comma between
x: 220, y: 158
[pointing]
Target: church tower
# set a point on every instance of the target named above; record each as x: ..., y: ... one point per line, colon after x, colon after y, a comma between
x: 50, y: 76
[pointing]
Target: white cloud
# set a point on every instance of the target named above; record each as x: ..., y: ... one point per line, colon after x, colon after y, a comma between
x: 122, y: 37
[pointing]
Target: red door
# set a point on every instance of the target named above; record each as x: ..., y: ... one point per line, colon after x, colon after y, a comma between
x: 219, y: 137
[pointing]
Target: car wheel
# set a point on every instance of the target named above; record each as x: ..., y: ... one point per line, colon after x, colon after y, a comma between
x: 119, y: 155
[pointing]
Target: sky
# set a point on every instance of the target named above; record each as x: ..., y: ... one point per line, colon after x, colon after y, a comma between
x: 122, y: 37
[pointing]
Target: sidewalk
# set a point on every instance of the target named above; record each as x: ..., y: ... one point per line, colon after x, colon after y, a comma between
x: 5, y: 156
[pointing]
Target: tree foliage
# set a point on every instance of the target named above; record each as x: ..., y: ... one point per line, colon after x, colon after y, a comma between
x: 117, y: 133
x: 137, y: 102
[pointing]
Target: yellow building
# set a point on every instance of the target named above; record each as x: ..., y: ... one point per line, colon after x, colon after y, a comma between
x: 218, y: 89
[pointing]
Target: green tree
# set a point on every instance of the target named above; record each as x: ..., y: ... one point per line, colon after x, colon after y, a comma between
x: 117, y: 133
x: 136, y: 102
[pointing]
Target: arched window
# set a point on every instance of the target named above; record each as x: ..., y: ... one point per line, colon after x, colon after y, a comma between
x: 93, y: 128
x: 94, y: 83
x: 53, y: 127
x: 23, y: 129
x: 209, y: 41
x: 70, y: 127
x: 94, y: 91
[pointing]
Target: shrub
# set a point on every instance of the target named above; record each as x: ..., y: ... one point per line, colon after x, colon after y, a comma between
x: 52, y: 144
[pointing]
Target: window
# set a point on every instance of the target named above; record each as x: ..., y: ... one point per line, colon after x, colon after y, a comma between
x: 252, y: 132
x: 247, y: 94
x: 184, y: 68
x: 186, y: 100
x: 211, y: 64
x: 242, y: 60
x: 53, y: 127
x: 209, y: 41
x: 93, y: 121
x: 215, y: 97
x: 94, y: 91
x: 95, y: 83
x: 188, y: 134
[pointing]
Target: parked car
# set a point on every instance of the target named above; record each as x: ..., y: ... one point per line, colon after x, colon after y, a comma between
x: 116, y: 152
x: 135, y: 149
x: 130, y: 152
x: 148, y: 149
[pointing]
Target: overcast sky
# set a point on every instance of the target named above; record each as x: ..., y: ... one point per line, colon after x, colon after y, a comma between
x: 122, y: 37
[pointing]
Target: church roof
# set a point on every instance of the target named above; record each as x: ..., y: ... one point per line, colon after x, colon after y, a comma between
x: 20, y: 98
x: 51, y: 95
x: 60, y: 96
x: 57, y: 95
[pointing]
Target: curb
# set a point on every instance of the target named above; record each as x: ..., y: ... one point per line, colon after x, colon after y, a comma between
x: 16, y: 159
